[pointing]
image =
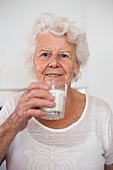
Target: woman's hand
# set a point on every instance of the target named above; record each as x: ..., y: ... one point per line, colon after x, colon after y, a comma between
x: 30, y: 105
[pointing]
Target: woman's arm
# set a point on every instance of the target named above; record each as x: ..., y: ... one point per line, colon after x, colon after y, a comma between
x: 6, y: 137
x: 32, y: 100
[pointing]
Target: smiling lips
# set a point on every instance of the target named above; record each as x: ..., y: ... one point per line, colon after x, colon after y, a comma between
x: 53, y: 75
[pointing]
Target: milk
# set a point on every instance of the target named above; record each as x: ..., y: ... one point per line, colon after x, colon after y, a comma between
x: 56, y: 112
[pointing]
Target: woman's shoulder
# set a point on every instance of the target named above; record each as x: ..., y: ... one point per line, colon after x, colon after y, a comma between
x: 100, y: 106
x: 9, y: 107
x: 11, y: 102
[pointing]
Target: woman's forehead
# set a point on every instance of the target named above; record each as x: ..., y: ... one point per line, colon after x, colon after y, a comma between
x: 51, y: 42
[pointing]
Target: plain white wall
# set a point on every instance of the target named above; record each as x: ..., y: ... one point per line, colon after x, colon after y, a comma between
x: 99, y: 26
x: 94, y: 17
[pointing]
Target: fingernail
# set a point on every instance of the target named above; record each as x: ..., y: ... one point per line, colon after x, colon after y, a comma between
x: 46, y: 86
x: 51, y: 103
x: 51, y: 97
x: 44, y: 113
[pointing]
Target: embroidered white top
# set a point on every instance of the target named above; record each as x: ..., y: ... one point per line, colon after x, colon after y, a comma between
x: 85, y: 145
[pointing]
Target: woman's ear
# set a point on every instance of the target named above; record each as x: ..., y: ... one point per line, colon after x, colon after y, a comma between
x: 77, y: 68
x: 77, y: 72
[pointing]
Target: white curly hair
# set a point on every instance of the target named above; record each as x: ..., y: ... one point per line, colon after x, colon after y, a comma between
x: 58, y: 26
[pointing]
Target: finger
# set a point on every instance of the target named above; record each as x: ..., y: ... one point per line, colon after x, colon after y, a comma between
x: 36, y: 98
x: 38, y: 85
x: 39, y: 103
x: 39, y: 93
x: 36, y: 113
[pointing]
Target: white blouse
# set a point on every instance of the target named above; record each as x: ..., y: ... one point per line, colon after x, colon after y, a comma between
x: 85, y: 145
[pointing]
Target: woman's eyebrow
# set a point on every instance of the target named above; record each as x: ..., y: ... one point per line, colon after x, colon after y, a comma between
x: 66, y: 52
x: 43, y: 50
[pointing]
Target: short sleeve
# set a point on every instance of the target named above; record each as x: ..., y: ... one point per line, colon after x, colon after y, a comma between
x: 9, y: 107
x: 109, y: 152
x: 5, y: 111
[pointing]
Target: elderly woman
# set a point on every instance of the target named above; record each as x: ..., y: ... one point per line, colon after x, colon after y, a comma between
x: 83, y: 139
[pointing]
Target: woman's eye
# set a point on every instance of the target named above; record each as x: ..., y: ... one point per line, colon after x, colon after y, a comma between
x: 64, y: 55
x: 45, y: 54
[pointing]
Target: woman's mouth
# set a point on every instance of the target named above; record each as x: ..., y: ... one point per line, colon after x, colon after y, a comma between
x: 54, y: 75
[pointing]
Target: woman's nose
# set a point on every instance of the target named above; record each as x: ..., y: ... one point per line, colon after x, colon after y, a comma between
x: 54, y: 62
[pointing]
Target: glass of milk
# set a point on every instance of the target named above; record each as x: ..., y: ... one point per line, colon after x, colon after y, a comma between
x: 59, y: 91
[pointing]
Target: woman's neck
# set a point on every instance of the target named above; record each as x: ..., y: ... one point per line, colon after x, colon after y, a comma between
x: 75, y: 103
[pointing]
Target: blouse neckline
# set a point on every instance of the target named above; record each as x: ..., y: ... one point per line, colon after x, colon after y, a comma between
x: 70, y: 126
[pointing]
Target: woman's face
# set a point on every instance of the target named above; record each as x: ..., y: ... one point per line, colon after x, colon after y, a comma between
x: 55, y: 58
